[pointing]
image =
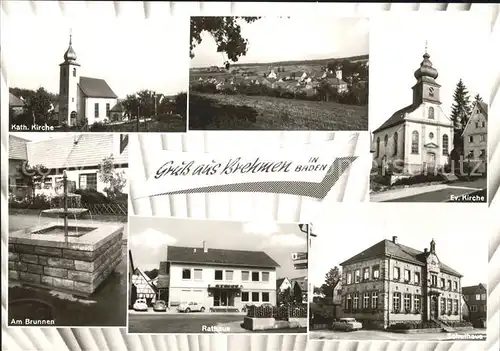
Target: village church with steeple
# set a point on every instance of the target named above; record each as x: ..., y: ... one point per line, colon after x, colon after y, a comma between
x: 82, y: 98
x: 419, y: 136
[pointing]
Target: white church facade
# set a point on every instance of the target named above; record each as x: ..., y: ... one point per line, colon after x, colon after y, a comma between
x: 82, y: 97
x: 417, y: 137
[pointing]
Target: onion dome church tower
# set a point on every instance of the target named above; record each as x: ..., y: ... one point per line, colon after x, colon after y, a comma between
x: 69, y: 77
x: 426, y: 89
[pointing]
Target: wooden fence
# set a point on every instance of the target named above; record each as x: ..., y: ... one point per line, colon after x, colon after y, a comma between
x: 112, y: 209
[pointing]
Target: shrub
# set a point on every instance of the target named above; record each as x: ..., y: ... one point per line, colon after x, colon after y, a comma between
x: 92, y: 196
x: 98, y: 127
x: 418, y: 179
x: 412, y: 325
x: 39, y: 202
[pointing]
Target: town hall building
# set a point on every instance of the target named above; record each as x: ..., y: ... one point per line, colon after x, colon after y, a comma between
x: 391, y: 283
x: 419, y: 136
x: 82, y: 98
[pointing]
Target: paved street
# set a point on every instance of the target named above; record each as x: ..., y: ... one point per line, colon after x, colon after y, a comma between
x: 161, y: 322
x: 106, y: 307
x: 434, y: 193
x: 476, y: 334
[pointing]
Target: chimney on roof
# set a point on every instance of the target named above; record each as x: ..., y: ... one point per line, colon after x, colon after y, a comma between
x: 395, y: 239
x: 205, y: 248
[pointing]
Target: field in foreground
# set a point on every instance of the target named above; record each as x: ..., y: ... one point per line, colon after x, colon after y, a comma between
x: 242, y: 112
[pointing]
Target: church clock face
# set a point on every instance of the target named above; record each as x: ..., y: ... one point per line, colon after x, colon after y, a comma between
x: 431, y: 91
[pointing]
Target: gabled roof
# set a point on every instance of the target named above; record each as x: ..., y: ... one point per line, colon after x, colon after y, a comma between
x: 75, y: 151
x: 223, y: 257
x: 17, y: 148
x: 118, y: 107
x: 472, y: 290
x: 279, y: 282
x: 139, y: 272
x: 301, y: 282
x: 387, y: 248
x: 14, y: 101
x: 397, y: 118
x: 483, y: 107
x: 95, y: 87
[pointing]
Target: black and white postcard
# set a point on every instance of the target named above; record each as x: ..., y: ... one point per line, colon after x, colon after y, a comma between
x: 278, y: 73
x: 207, y: 276
x: 68, y: 210
x: 96, y: 75
x: 429, y: 108
x: 396, y: 277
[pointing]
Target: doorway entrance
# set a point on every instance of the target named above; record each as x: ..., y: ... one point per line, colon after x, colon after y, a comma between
x: 434, y: 307
x: 430, y: 162
x: 223, y: 298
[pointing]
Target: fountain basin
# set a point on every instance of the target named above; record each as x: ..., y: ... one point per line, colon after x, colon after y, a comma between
x: 44, y: 256
x: 73, y: 212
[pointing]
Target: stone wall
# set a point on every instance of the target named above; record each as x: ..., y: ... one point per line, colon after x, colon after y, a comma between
x: 76, y: 271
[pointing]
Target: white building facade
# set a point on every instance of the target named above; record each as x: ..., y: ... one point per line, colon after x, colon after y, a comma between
x: 219, y: 278
x: 420, y: 136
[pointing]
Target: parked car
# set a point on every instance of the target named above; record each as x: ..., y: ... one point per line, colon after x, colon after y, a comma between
x: 140, y: 305
x: 160, y: 306
x: 347, y: 324
x: 190, y: 306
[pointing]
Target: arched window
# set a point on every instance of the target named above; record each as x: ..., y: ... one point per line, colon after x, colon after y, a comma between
x: 414, y: 142
x: 378, y: 147
x: 386, y: 140
x: 431, y: 112
x: 74, y: 72
x: 395, y: 143
x: 445, y: 144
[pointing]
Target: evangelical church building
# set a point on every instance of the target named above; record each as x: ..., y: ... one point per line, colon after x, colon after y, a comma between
x: 419, y: 136
x: 81, y: 97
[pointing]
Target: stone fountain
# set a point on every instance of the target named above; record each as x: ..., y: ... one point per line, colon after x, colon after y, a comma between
x: 74, y: 259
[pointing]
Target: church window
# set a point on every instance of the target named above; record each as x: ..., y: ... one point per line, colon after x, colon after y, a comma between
x: 96, y: 109
x: 445, y: 144
x: 74, y: 72
x: 414, y: 142
x: 386, y: 140
x: 431, y: 112
x: 431, y: 91
x: 378, y: 147
x: 72, y: 99
x: 431, y: 135
x: 395, y: 143
x: 107, y: 109
x: 471, y: 138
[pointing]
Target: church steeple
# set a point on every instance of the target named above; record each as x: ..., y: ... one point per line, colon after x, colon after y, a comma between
x: 426, y: 89
x: 70, y: 54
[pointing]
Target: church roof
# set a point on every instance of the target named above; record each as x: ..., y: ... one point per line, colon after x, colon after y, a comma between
x: 14, y: 101
x: 388, y: 248
x: 397, y: 118
x: 96, y: 88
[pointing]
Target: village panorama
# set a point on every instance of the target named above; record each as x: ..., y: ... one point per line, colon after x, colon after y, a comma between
x: 235, y: 83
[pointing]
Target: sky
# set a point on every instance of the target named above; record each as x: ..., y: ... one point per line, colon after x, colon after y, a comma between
x: 150, y: 236
x: 461, y: 242
x: 129, y: 55
x: 458, y: 48
x: 274, y: 39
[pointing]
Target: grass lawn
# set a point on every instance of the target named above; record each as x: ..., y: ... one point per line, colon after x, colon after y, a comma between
x: 242, y: 112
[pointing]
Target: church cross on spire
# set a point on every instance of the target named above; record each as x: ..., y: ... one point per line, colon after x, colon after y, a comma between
x: 426, y: 46
x: 70, y: 36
